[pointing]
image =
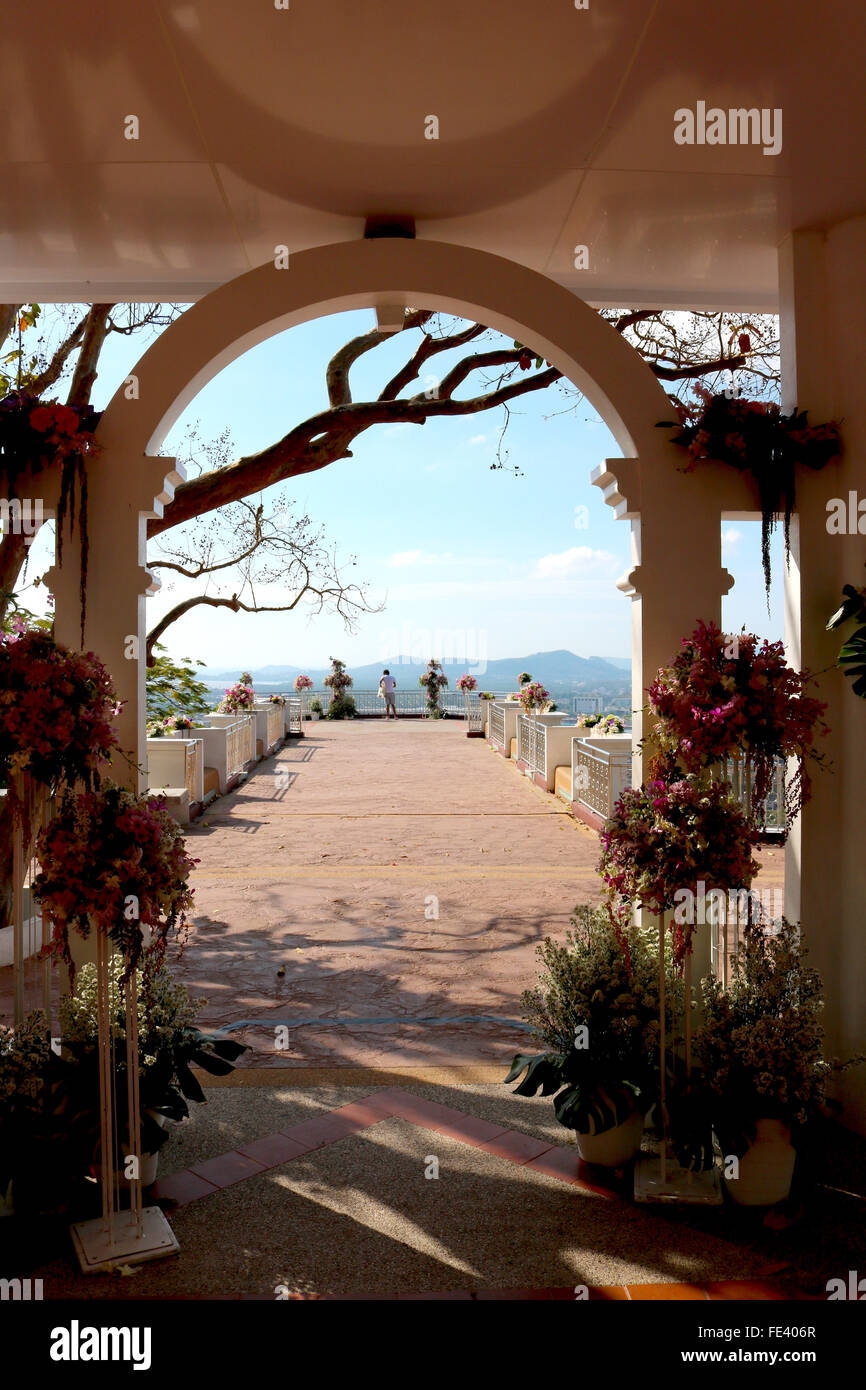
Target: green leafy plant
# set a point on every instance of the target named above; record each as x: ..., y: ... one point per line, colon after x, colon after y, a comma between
x: 169, y: 1043
x: 341, y: 707
x: 760, y: 1046
x: 316, y: 706
x: 852, y: 655
x: 596, y: 1008
x: 172, y: 687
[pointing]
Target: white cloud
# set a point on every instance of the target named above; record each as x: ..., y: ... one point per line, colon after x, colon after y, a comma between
x: 731, y: 538
x: 401, y: 558
x: 578, y: 560
x: 478, y: 439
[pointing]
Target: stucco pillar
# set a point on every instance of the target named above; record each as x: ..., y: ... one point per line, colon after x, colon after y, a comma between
x: 823, y: 306
x: 119, y: 502
x: 676, y: 576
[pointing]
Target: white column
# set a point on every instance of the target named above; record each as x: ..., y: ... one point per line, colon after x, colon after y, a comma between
x: 823, y: 305
x: 119, y: 501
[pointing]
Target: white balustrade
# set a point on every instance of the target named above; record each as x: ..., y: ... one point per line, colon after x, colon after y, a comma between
x: 600, y: 772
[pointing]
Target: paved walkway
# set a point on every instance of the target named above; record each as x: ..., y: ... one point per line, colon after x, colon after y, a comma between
x: 401, y: 876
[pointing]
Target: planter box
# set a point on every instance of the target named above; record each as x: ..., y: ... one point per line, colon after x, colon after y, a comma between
x: 174, y: 763
x: 503, y: 724
x: 247, y: 738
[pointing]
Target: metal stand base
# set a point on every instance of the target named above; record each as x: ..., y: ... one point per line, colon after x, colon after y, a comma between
x: 680, y: 1184
x: 97, y: 1252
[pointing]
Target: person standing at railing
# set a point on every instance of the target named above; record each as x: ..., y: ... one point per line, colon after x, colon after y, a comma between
x: 387, y: 686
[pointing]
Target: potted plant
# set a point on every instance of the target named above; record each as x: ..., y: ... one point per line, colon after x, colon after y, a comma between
x: 316, y: 709
x: 596, y: 1010
x: 169, y: 1043
x: 760, y: 1048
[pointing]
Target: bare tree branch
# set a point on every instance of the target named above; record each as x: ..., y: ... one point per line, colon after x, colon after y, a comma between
x: 95, y: 333
x: 8, y: 319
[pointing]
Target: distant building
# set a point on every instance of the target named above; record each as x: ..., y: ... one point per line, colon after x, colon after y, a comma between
x: 586, y: 704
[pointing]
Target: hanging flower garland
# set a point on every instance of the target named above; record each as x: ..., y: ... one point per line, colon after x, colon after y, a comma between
x: 467, y: 684
x: 35, y: 435
x: 118, y: 862
x: 755, y: 437
x: 665, y: 837
x: 725, y: 695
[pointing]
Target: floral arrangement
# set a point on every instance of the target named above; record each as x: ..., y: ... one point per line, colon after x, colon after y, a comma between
x: 726, y: 695
x: 278, y: 699
x: 761, y: 1043
x: 433, y: 680
x: 755, y: 437
x: 177, y: 722
x: 587, y: 721
x: 117, y: 861
x: 665, y: 837
x: 603, y: 979
x: 339, y: 679
x: 56, y: 711
x: 611, y: 724
x: 155, y: 728
x: 524, y: 678
x: 467, y: 683
x: 303, y: 683
x: 533, y: 696
x: 238, y: 697
x: 37, y: 434
x: 486, y: 695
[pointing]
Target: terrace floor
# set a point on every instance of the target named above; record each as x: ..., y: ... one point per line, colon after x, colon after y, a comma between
x: 307, y: 1174
x: 401, y: 876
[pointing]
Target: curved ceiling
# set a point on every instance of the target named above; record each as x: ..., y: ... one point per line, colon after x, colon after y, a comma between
x: 260, y: 126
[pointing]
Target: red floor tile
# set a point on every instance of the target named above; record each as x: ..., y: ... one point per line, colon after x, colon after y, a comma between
x: 366, y: 1112
x: 744, y: 1289
x: 666, y: 1293
x: 183, y: 1187
x: 323, y: 1129
x: 566, y: 1165
x: 272, y: 1150
x: 519, y: 1148
x: 227, y: 1169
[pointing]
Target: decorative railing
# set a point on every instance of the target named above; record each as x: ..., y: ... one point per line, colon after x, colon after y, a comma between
x: 497, y: 726
x: 237, y: 746
x: 599, y: 774
x: 276, y: 724
x: 771, y: 815
x: 294, y: 712
x: 473, y: 712
x: 524, y: 741
x: 191, y: 770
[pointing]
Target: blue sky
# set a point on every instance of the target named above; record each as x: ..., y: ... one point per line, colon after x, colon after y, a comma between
x: 467, y: 561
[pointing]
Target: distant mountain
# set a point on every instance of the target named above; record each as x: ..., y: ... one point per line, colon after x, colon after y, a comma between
x: 622, y: 663
x: 556, y: 670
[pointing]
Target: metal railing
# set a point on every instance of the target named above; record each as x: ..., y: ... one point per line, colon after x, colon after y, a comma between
x: 191, y: 769
x: 294, y: 715
x: 497, y: 726
x: 771, y: 815
x: 237, y: 746
x: 524, y: 741
x: 600, y: 776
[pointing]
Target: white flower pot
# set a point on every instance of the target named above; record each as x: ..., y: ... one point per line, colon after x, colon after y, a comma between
x: 766, y: 1168
x: 615, y: 1146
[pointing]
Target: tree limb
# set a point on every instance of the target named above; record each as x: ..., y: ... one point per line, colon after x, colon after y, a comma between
x: 8, y: 318
x: 95, y: 333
